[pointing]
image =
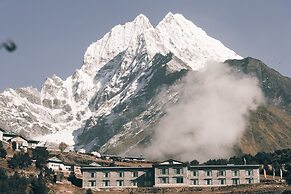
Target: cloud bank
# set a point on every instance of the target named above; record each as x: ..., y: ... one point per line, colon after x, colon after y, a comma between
x: 210, y: 116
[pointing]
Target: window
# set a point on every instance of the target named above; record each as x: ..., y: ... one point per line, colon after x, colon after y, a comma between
x: 121, y: 174
x: 235, y: 173
x: 195, y: 173
x: 106, y: 183
x: 249, y: 172
x: 222, y: 181
x: 208, y: 181
x: 178, y: 170
x: 195, y: 182
x: 164, y: 171
x: 249, y: 180
x: 92, y: 174
x: 134, y: 174
x: 164, y: 180
x: 92, y: 183
x: 208, y: 173
x: 221, y: 173
x: 120, y: 183
x: 235, y: 181
x: 133, y: 183
x: 106, y: 175
x: 179, y: 179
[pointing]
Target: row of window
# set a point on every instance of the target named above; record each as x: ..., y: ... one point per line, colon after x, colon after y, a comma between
x: 120, y: 183
x: 223, y: 173
x: 165, y: 180
x: 178, y: 171
x: 235, y: 181
x: 119, y: 174
x: 106, y: 183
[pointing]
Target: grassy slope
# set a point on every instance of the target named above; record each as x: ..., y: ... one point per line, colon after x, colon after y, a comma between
x: 269, y: 129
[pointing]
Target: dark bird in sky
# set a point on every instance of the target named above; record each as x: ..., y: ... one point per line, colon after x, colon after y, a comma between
x: 9, y: 45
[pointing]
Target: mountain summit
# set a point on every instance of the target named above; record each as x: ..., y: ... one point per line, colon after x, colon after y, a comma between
x: 116, y: 98
x: 174, y: 33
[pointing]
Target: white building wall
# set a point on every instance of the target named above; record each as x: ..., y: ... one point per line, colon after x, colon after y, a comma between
x: 1, y: 136
x: 56, y: 166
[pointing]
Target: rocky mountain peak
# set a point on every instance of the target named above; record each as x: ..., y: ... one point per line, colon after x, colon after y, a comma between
x: 121, y: 72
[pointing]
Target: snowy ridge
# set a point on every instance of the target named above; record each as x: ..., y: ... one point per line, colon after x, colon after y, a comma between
x: 116, y: 69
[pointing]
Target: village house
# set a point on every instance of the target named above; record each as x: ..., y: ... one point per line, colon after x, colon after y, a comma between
x: 18, y: 143
x: 1, y: 134
x: 175, y: 173
x: 170, y: 173
x: 106, y: 177
x: 32, y: 144
x: 8, y: 135
x: 56, y: 164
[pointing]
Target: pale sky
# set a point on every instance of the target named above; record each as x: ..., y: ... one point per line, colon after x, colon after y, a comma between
x: 52, y: 36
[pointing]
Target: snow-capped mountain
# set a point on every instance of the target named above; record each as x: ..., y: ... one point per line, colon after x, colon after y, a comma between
x: 113, y: 96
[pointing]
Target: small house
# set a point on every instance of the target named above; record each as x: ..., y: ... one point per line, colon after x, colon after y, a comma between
x: 18, y: 142
x: 7, y: 135
x: 32, y: 143
x: 55, y: 164
x: 1, y: 134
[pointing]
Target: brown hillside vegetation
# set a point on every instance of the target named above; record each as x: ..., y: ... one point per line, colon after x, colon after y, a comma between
x: 269, y: 129
x: 247, y: 189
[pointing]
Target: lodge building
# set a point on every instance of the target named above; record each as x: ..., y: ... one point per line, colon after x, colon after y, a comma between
x: 170, y: 173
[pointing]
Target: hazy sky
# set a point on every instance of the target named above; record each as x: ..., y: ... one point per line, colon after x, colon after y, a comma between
x: 52, y: 36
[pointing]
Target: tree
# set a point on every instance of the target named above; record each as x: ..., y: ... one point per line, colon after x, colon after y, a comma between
x: 216, y: 162
x: 3, y: 174
x: 194, y: 162
x: 20, y: 160
x: 40, y: 154
x: 74, y: 180
x: 38, y: 186
x: 16, y: 184
x: 62, y: 146
x: 89, y: 191
x: 49, y: 174
x: 14, y: 145
x: 3, y: 152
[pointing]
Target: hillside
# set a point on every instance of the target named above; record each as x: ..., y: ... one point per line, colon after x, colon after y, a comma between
x: 269, y: 127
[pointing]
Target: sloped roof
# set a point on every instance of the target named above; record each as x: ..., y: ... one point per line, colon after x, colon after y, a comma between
x: 17, y: 136
x: 55, y: 159
x: 32, y: 141
x: 171, y: 162
x: 94, y: 164
x: 9, y: 133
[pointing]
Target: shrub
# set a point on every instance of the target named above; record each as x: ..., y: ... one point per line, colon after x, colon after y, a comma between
x: 40, y: 154
x: 38, y: 186
x: 20, y: 160
x: 89, y: 191
x: 3, y: 152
